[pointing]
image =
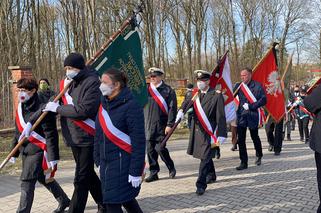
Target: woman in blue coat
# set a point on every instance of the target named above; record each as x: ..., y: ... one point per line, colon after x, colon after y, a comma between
x: 119, y: 143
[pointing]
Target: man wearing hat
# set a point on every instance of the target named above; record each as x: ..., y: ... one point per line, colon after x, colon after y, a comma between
x: 208, y: 128
x: 160, y: 114
x: 251, y: 98
x: 78, y: 112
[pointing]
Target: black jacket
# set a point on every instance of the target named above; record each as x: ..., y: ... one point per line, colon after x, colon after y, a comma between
x: 31, y: 154
x: 313, y: 104
x: 115, y: 163
x: 85, y: 93
x: 45, y: 96
x: 155, y: 119
x: 199, y: 141
x: 250, y: 118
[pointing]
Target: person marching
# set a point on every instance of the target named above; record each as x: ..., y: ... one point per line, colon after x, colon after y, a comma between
x: 78, y: 112
x: 160, y: 113
x: 208, y: 128
x: 119, y: 143
x: 303, y: 116
x: 274, y: 133
x: 40, y: 153
x: 249, y: 115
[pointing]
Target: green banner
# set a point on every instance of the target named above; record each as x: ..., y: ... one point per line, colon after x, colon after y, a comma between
x: 125, y: 53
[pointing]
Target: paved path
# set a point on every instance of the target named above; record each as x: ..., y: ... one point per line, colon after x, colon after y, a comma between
x: 285, y: 183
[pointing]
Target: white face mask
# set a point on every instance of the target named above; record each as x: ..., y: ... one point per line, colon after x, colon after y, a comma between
x: 201, y: 85
x: 106, y: 89
x: 71, y: 73
x: 23, y: 97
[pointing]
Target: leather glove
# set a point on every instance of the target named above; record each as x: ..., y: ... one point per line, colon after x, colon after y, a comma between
x: 26, y: 131
x: 246, y: 106
x: 136, y: 181
x: 180, y: 115
x: 221, y: 140
x: 12, y: 160
x: 51, y: 107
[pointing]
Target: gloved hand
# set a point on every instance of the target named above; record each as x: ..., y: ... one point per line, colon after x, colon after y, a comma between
x: 136, y: 181
x: 53, y: 163
x: 246, y: 106
x: 51, y: 107
x: 26, y: 131
x: 221, y: 140
x: 12, y: 160
x: 180, y: 115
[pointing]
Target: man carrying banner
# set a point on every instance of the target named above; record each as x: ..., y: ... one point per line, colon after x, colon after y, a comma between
x: 160, y: 114
x: 40, y: 153
x: 249, y: 115
x: 208, y: 128
x: 78, y: 112
x: 119, y: 143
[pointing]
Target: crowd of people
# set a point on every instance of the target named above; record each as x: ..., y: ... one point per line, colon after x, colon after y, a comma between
x: 104, y: 125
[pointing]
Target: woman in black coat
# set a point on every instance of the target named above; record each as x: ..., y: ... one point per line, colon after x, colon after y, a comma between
x: 119, y: 143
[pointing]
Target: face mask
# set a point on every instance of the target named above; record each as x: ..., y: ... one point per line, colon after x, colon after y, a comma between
x: 296, y: 93
x: 71, y: 73
x: 23, y: 97
x: 201, y: 85
x: 106, y: 89
x: 43, y: 87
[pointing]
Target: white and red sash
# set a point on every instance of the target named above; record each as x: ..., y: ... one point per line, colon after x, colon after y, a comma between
x: 251, y: 98
x: 205, y: 122
x: 87, y: 125
x: 116, y: 136
x: 39, y: 141
x: 237, y: 101
x: 158, y: 98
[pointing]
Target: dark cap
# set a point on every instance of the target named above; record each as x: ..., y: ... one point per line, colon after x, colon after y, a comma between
x: 75, y: 60
x: 202, y: 74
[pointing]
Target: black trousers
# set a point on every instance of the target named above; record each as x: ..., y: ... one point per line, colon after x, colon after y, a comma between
x: 317, y: 157
x: 241, y: 133
x: 287, y: 127
x: 130, y: 206
x: 304, y: 127
x: 85, y: 179
x: 206, y: 168
x: 153, y: 150
x: 274, y: 133
x: 28, y: 189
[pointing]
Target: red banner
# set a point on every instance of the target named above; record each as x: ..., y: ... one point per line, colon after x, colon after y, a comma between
x: 267, y: 74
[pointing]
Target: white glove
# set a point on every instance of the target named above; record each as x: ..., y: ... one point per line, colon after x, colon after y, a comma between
x: 136, y: 181
x: 294, y: 104
x: 26, y: 131
x: 246, y: 106
x: 12, y: 160
x: 180, y: 115
x: 51, y: 107
x: 221, y: 140
x: 53, y: 163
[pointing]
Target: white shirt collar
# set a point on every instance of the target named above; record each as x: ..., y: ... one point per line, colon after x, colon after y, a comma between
x: 158, y: 85
x: 205, y: 90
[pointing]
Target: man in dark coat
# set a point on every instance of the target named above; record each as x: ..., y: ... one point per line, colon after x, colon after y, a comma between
x: 32, y: 155
x: 77, y: 123
x: 302, y: 115
x: 313, y: 104
x: 248, y: 117
x: 188, y: 95
x: 200, y: 141
x: 160, y: 113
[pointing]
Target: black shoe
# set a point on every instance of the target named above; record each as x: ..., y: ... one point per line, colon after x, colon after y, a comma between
x: 258, y: 161
x: 210, y: 179
x: 307, y: 141
x: 270, y: 149
x: 218, y: 155
x: 277, y: 153
x: 234, y: 148
x: 172, y: 173
x: 62, y: 206
x: 101, y: 208
x: 200, y: 191
x: 301, y: 139
x: 242, y: 166
x: 151, y: 178
x: 288, y: 137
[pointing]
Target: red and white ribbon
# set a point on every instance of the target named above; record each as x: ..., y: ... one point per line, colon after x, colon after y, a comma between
x: 87, y: 125
x: 204, y: 121
x: 237, y: 101
x: 158, y: 98
x: 251, y: 98
x: 38, y: 140
x: 116, y: 136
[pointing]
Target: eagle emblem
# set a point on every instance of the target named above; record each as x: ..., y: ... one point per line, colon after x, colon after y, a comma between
x: 273, y: 87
